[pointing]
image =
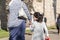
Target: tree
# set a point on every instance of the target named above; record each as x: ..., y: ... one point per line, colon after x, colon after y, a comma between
x: 54, y: 6
x: 29, y: 4
x: 3, y: 15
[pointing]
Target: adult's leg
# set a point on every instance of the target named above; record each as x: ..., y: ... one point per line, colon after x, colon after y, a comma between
x: 21, y: 34
x: 58, y: 31
x: 13, y: 33
x: 23, y: 31
x: 10, y: 36
x: 57, y: 28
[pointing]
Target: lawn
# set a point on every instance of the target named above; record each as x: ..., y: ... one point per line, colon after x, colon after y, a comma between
x: 6, y: 34
x: 3, y: 34
x: 51, y: 27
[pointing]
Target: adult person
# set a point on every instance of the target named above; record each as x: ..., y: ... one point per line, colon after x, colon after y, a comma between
x: 58, y: 23
x: 17, y: 25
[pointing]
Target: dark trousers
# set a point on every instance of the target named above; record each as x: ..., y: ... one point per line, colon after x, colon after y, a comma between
x: 17, y: 33
x: 57, y: 28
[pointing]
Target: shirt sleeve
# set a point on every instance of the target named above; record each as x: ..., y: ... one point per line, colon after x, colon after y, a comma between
x: 26, y: 11
x: 45, y: 28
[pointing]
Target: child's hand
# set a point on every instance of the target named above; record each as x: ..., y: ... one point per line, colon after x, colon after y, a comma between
x: 47, y: 38
x: 30, y: 22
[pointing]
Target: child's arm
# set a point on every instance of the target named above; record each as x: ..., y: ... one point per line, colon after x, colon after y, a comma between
x: 32, y: 27
x: 46, y: 30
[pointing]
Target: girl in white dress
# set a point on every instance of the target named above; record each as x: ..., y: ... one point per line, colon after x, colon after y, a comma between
x: 38, y: 27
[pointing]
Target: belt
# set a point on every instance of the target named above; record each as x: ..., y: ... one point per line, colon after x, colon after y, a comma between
x: 23, y: 18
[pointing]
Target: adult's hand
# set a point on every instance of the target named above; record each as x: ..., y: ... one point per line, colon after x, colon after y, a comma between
x: 30, y: 22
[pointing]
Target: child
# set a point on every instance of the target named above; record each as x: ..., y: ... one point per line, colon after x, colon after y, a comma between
x: 38, y: 27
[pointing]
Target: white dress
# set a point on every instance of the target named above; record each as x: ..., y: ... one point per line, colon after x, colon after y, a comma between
x: 38, y: 33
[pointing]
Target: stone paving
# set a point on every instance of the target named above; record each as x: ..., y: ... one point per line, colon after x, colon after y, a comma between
x: 53, y: 36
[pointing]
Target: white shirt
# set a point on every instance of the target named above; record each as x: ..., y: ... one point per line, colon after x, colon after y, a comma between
x: 14, y: 7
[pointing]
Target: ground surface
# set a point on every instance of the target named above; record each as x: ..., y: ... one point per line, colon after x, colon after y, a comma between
x: 53, y: 36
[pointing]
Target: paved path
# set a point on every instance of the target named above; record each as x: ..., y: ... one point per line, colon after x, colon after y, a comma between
x: 53, y: 36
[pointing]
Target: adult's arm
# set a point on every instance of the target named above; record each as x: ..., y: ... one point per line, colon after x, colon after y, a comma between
x: 26, y: 11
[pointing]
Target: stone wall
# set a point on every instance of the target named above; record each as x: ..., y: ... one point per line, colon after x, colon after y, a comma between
x: 49, y: 11
x: 38, y: 6
x: 58, y: 6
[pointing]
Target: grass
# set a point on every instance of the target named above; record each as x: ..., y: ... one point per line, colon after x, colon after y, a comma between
x: 28, y: 31
x: 51, y: 27
x: 6, y: 34
x: 3, y: 34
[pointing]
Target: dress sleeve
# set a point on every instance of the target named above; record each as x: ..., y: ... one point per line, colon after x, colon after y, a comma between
x: 45, y: 28
x: 32, y: 27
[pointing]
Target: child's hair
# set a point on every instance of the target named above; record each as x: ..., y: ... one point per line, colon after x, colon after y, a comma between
x: 38, y: 16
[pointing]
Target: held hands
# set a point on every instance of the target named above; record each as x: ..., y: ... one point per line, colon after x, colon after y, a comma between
x: 30, y: 22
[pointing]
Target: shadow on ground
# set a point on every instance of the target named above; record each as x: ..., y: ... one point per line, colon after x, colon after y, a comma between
x: 53, y: 32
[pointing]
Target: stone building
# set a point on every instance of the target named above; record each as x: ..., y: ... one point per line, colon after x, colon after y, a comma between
x: 58, y: 6
x: 50, y: 8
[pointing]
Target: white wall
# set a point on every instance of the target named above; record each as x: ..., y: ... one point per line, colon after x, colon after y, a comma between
x: 49, y: 11
x: 58, y: 6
